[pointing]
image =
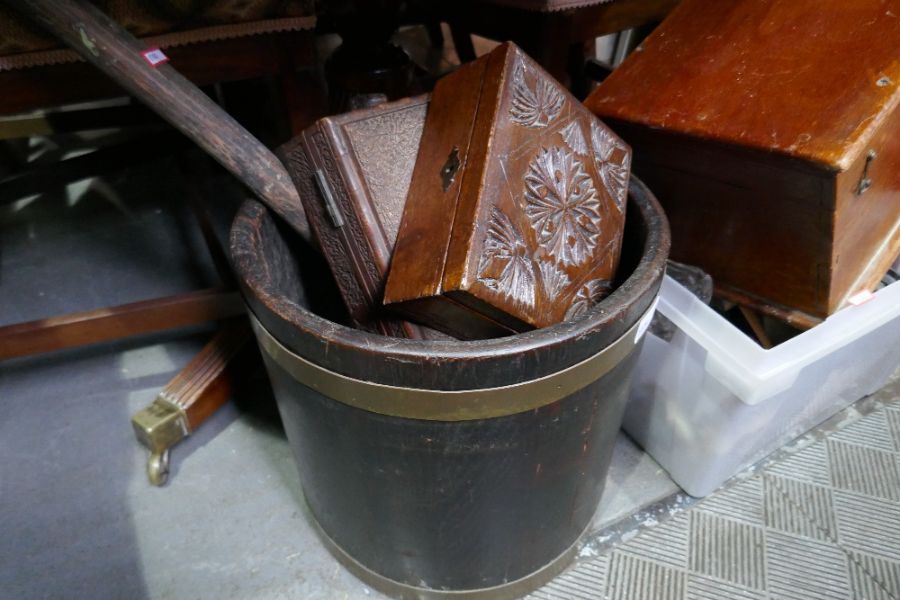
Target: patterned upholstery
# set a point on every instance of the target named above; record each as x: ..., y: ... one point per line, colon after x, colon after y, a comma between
x: 153, y: 17
x: 547, y: 5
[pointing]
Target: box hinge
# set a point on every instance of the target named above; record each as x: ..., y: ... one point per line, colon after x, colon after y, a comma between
x: 331, y: 207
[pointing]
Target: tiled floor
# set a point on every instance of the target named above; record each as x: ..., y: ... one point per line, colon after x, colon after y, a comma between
x: 821, y: 521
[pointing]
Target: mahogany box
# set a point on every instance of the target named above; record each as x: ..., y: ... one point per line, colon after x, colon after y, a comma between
x: 353, y: 171
x: 516, y: 207
x: 770, y: 132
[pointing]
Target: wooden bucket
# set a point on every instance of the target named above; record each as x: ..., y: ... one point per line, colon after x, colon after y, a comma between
x: 450, y: 469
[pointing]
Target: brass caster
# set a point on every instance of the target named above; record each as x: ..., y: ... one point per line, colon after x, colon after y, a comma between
x: 158, y: 467
x: 159, y: 427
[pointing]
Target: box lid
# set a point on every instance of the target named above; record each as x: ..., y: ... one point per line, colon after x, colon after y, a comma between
x: 353, y: 171
x: 517, y: 201
x: 809, y: 79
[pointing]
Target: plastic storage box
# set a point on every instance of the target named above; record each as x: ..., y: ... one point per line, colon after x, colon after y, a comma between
x: 711, y: 401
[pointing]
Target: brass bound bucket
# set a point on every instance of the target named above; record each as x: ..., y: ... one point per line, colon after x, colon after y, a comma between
x: 449, y: 469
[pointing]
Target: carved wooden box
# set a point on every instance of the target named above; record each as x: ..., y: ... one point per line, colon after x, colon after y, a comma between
x: 353, y: 171
x: 517, y: 203
x: 770, y: 132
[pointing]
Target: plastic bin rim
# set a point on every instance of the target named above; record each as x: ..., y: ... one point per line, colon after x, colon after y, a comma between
x: 755, y: 374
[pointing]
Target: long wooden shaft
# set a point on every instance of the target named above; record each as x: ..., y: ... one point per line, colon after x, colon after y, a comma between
x: 104, y: 43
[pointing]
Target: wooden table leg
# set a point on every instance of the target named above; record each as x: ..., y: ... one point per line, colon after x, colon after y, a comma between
x: 197, y: 392
x: 105, y: 324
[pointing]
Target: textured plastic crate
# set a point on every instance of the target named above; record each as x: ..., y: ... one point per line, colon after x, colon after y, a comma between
x: 711, y: 401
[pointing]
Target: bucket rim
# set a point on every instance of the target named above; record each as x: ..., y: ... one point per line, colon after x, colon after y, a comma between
x: 618, y: 306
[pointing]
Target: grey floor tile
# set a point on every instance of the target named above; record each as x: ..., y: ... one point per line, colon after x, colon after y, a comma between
x: 804, y: 569
x: 742, y: 502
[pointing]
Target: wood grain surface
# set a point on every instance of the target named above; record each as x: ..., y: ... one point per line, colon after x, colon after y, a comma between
x: 105, y: 324
x: 528, y: 230
x: 810, y: 79
x: 753, y: 122
x: 364, y: 159
x: 205, y: 383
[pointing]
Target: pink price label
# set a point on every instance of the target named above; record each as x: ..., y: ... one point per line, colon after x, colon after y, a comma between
x: 860, y: 297
x: 155, y: 57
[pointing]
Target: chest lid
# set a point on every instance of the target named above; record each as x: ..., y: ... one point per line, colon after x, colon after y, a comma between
x: 812, y: 80
x: 517, y: 200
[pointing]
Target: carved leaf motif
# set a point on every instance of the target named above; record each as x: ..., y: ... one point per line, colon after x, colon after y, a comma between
x: 534, y: 107
x: 613, y: 173
x: 555, y: 280
x: 574, y: 139
x: 504, y: 265
x: 562, y: 205
x: 590, y: 293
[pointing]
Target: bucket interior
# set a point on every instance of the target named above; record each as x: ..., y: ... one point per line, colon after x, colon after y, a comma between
x: 289, y: 288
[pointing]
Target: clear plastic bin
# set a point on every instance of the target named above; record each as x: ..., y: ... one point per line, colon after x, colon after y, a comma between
x: 712, y: 402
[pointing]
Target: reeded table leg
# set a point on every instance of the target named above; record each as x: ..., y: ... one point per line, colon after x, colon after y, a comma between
x: 198, y: 390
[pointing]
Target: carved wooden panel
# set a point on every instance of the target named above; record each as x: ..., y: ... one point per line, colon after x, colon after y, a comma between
x: 385, y: 147
x: 534, y: 103
x: 353, y: 172
x: 528, y: 230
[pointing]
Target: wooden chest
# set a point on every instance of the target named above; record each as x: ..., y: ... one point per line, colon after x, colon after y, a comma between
x: 770, y: 131
x: 516, y: 207
x: 353, y: 172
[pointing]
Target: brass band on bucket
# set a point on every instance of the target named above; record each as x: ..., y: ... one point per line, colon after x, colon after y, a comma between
x: 450, y: 405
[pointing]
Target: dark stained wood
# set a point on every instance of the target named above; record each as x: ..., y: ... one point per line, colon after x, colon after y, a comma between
x: 203, y: 64
x: 305, y: 99
x: 435, y: 364
x: 367, y: 68
x: 196, y: 174
x: 549, y: 37
x: 756, y: 144
x: 105, y: 324
x: 527, y: 230
x: 38, y: 178
x: 617, y: 15
x: 463, y: 504
x: 552, y: 6
x: 69, y: 121
x: 117, y: 53
x: 792, y: 317
x: 365, y: 160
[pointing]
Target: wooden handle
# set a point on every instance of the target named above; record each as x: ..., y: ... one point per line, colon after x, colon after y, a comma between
x: 102, y: 42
